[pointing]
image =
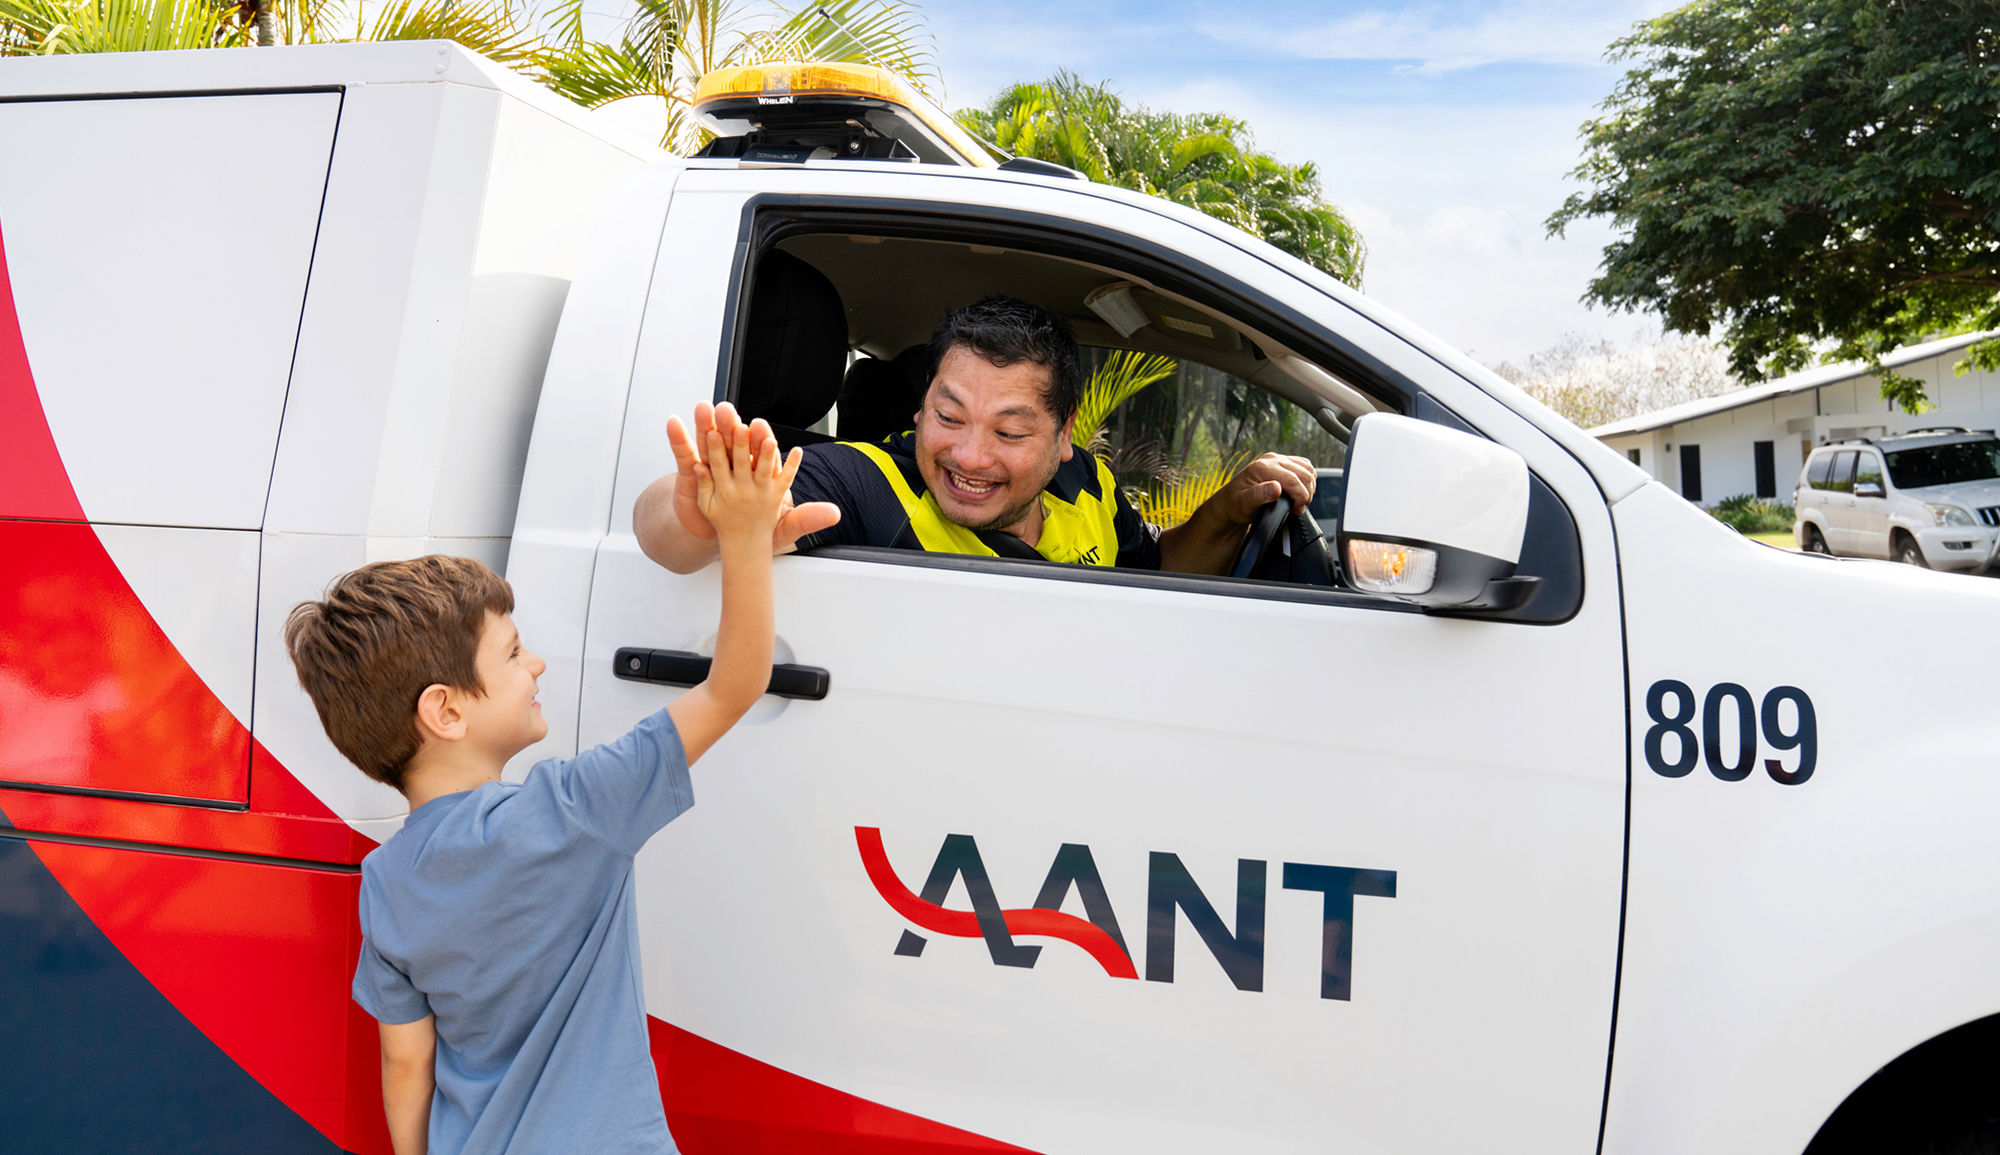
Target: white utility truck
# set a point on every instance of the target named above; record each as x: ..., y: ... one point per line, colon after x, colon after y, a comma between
x: 1556, y: 818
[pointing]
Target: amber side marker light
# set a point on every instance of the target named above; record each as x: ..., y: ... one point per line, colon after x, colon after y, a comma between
x: 1383, y: 567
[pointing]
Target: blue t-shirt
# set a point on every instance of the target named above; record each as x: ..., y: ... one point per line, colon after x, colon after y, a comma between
x: 508, y: 913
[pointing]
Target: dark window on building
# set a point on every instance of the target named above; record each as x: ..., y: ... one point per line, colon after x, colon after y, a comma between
x: 1691, y: 472
x: 1767, y: 467
x: 1633, y: 454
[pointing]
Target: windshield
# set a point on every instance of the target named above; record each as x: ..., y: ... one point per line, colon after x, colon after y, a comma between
x: 1945, y: 464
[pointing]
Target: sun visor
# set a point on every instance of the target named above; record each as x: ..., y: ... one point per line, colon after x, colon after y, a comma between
x: 1128, y: 308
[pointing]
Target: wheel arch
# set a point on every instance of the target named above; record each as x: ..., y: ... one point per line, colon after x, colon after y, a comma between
x: 1942, y: 1088
x: 1826, y: 1070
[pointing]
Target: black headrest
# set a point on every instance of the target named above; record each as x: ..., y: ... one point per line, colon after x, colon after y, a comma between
x: 880, y: 397
x: 795, y: 347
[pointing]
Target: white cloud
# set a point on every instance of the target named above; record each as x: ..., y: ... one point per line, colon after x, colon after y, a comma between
x: 1441, y: 39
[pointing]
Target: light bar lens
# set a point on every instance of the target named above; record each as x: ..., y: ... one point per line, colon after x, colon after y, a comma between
x: 1381, y: 567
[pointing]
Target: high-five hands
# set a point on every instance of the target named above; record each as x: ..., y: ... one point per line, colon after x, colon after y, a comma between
x: 792, y: 522
x: 740, y: 494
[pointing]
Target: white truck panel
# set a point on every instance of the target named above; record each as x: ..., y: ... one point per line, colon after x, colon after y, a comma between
x: 1782, y: 942
x: 378, y: 345
x: 158, y: 249
x: 289, y: 66
x: 572, y: 460
x: 296, y: 568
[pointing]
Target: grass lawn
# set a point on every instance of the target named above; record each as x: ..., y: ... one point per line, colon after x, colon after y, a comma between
x: 1781, y: 538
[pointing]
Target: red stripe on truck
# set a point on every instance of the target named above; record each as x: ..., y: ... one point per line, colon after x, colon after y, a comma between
x: 259, y: 958
x: 33, y: 482
x: 94, y: 695
x: 723, y: 1102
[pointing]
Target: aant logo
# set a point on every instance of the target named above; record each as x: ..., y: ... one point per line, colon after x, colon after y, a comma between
x: 1169, y: 886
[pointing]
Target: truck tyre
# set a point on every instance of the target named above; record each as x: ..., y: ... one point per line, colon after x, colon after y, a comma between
x: 1909, y: 552
x: 1982, y: 1138
x: 1815, y: 541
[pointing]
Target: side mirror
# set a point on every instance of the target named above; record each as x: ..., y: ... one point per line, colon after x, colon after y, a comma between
x: 1867, y: 489
x: 1434, y: 516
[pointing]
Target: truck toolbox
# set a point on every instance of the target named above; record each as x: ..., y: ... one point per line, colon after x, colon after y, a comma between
x: 263, y: 317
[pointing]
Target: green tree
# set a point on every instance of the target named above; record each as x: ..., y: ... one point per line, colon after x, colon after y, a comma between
x: 1809, y: 176
x: 1207, y: 161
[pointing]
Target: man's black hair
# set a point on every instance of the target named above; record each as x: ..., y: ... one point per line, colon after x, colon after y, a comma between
x: 1009, y: 331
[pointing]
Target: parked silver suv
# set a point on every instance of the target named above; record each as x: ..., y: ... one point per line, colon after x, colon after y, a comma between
x: 1930, y: 498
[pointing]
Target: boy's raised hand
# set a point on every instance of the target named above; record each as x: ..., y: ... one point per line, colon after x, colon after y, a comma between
x: 743, y: 492
x: 689, y: 449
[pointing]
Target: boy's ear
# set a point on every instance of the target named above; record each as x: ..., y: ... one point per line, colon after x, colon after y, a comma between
x: 438, y: 715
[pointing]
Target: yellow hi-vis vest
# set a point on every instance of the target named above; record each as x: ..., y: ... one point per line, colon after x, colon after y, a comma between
x: 1082, y: 532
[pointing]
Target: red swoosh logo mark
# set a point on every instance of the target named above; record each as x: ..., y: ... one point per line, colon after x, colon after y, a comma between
x: 964, y: 924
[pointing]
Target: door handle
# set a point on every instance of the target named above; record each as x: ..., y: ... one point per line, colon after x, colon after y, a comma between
x: 680, y: 668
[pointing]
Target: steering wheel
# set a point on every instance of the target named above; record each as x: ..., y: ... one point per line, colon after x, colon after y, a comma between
x: 1263, y: 535
x: 1265, y: 553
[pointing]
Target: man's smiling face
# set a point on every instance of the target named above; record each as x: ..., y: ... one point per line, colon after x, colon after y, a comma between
x: 986, y: 442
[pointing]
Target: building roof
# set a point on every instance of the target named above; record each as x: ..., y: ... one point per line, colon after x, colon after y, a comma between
x: 1782, y: 387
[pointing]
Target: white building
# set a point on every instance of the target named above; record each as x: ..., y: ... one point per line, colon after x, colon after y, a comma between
x: 1755, y: 440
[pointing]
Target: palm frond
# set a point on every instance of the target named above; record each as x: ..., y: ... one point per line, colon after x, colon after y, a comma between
x: 493, y: 28
x: 888, y: 33
x: 594, y: 73
x: 1201, y: 146
x: 1123, y: 374
x: 30, y: 27
x: 56, y: 26
x: 713, y: 34
x: 1170, y: 502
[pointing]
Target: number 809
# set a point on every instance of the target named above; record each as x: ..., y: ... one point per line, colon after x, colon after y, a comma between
x: 1730, y: 756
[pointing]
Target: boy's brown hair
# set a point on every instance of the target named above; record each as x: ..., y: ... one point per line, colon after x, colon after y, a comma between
x: 382, y: 635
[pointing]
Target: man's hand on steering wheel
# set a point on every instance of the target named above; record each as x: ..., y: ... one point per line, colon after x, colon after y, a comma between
x: 1263, y: 481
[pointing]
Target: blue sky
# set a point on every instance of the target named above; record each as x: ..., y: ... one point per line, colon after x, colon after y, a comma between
x: 1446, y: 130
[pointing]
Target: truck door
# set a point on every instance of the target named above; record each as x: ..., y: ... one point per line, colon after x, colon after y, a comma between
x: 1337, y: 876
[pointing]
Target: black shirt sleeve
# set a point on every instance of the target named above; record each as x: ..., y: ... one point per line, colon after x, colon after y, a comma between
x: 1138, y: 540
x: 825, y: 475
x: 870, y: 514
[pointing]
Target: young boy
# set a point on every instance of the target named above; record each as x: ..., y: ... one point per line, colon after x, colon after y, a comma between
x: 500, y: 948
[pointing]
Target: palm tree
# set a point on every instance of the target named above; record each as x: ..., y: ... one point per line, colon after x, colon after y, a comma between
x: 494, y: 28
x: 37, y: 27
x: 662, y: 48
x: 1206, y: 161
x: 665, y: 47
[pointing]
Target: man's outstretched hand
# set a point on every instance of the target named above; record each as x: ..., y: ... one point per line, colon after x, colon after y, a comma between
x: 794, y: 522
